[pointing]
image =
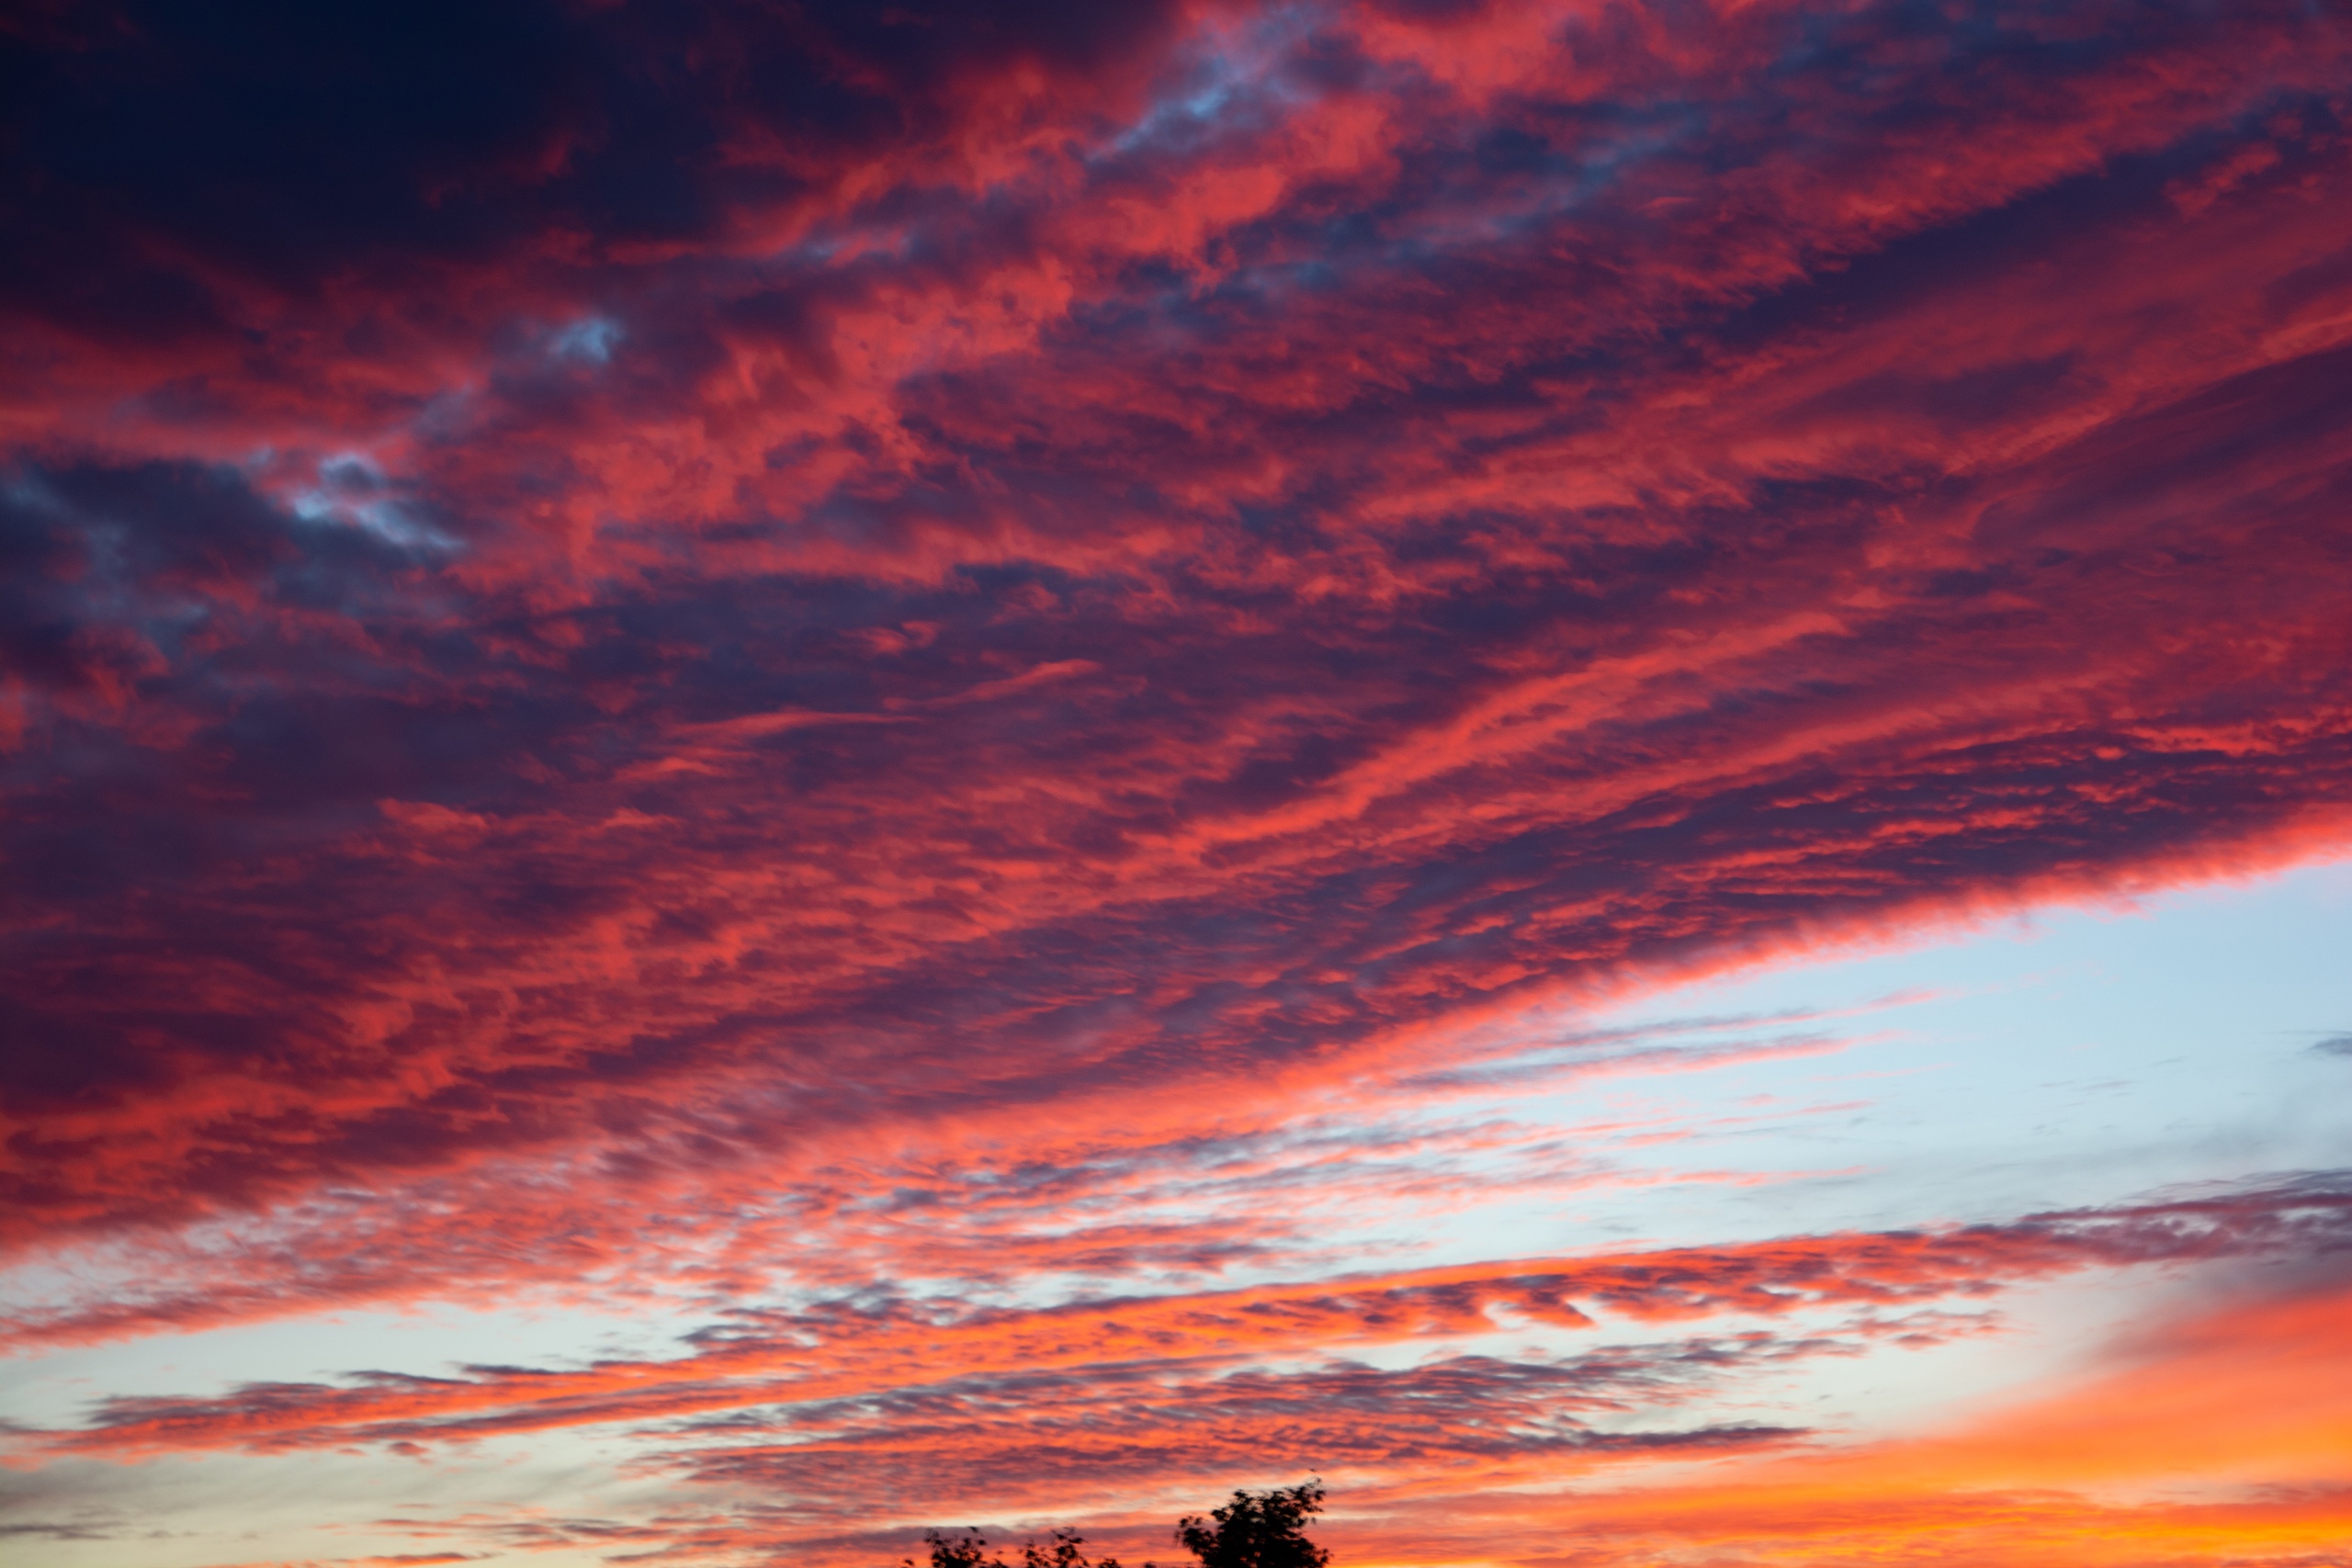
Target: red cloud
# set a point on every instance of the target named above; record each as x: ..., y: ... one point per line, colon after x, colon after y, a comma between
x: 602, y: 622
x: 1800, y: 525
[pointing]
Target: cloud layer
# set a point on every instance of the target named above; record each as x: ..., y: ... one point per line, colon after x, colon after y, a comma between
x: 633, y: 633
x: 694, y: 607
x: 846, y: 1410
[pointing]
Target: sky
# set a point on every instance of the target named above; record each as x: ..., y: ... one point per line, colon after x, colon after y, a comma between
x: 776, y: 773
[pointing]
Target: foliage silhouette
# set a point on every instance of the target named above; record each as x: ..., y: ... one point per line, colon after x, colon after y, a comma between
x: 970, y: 1551
x: 1257, y: 1529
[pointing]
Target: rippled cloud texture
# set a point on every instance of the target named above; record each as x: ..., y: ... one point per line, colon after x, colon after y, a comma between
x: 928, y: 693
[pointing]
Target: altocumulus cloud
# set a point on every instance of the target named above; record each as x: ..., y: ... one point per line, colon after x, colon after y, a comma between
x: 879, y: 668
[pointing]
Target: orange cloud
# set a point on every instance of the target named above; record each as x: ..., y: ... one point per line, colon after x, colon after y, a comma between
x: 2216, y: 1438
x: 844, y: 1351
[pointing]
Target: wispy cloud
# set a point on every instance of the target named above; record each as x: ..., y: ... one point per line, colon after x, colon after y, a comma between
x: 935, y: 1351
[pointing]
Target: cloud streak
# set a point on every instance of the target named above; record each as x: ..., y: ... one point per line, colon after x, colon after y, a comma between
x: 856, y: 1351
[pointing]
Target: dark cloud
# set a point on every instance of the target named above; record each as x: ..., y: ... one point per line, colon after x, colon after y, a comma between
x: 1038, y: 1437
x: 292, y: 144
x: 58, y: 1531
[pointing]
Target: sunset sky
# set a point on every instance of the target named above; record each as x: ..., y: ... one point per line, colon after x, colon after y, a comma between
x: 772, y: 772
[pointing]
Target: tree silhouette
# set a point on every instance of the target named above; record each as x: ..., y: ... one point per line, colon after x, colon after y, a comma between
x: 1257, y: 1529
x: 970, y: 1550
